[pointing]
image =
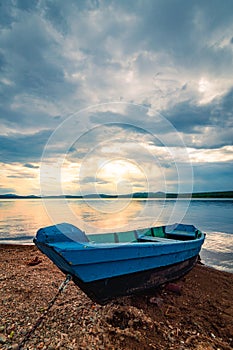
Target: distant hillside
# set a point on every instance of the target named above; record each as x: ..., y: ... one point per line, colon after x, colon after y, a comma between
x: 15, y: 196
x: 217, y: 194
x: 223, y: 194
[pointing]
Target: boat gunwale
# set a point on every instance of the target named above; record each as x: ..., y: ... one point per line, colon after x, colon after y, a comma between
x: 75, y: 245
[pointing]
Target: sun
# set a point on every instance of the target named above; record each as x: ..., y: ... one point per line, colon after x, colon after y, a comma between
x: 118, y: 169
x: 119, y: 176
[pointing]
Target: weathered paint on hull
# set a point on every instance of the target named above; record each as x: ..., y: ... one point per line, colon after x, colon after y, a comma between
x: 103, y: 291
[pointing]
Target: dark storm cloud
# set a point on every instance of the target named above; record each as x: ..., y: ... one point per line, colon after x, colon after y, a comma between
x: 31, y: 66
x: 22, y: 176
x: 27, y: 50
x: 30, y: 115
x: 186, y: 117
x: 93, y: 180
x: 219, y: 176
x: 2, y: 61
x: 18, y: 148
x: 6, y: 15
x: 175, y: 27
x: 111, y: 124
x: 191, y: 119
x: 31, y: 166
x: 224, y: 110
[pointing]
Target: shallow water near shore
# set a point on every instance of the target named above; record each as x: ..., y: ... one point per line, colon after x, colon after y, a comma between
x: 21, y: 218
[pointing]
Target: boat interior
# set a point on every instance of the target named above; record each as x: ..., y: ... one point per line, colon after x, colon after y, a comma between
x: 162, y: 234
x: 65, y: 232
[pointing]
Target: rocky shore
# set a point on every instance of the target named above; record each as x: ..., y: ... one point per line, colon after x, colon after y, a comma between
x: 195, y: 312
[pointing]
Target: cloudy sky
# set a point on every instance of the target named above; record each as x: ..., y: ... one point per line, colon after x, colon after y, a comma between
x: 116, y: 96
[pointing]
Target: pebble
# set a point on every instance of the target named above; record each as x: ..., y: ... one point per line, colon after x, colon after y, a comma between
x: 175, y: 288
x: 3, y: 339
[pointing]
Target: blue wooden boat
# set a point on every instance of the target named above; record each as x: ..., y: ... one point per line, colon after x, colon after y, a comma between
x: 109, y: 265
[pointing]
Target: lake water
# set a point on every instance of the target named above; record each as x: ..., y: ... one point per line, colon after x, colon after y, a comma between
x: 21, y: 218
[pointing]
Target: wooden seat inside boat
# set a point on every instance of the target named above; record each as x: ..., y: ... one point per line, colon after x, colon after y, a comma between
x: 181, y: 235
x: 156, y: 239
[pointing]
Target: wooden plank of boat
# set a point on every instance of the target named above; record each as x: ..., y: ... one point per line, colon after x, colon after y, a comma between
x: 106, y: 266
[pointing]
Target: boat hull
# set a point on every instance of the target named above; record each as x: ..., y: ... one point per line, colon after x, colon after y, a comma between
x: 104, y: 290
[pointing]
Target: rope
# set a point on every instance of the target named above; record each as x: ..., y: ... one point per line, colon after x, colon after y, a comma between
x: 40, y: 319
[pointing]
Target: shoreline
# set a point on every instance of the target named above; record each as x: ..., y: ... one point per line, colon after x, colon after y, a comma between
x: 196, y: 312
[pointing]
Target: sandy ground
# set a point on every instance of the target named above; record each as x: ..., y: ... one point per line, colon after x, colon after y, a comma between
x: 194, y: 313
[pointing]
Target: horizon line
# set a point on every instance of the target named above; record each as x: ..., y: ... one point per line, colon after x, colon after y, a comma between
x: 159, y: 194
